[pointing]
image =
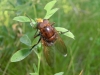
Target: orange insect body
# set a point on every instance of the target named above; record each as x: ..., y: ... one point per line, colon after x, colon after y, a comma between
x: 47, y: 32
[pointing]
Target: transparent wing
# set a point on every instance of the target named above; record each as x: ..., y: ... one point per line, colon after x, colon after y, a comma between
x: 49, y: 51
x: 60, y: 46
x: 49, y: 54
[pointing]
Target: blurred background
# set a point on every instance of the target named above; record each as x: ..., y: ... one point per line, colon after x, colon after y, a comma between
x: 81, y: 17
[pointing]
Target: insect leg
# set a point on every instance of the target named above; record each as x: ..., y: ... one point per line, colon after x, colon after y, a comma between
x: 63, y: 32
x: 36, y: 35
x: 36, y: 44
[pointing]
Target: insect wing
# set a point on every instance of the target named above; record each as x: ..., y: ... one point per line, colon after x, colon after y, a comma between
x: 49, y: 54
x: 60, y: 46
x: 49, y: 51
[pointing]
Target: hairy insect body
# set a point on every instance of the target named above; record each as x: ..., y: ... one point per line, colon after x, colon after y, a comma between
x: 47, y: 32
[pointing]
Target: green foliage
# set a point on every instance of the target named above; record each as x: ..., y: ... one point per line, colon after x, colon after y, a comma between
x: 49, y: 5
x: 50, y: 13
x: 22, y: 19
x: 20, y: 55
x: 49, y: 10
x: 65, y: 32
x: 25, y: 39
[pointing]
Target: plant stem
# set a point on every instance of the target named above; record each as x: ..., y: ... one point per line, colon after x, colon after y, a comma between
x: 38, y: 64
x: 39, y: 59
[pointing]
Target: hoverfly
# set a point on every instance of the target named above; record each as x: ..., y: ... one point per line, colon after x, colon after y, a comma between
x: 50, y: 39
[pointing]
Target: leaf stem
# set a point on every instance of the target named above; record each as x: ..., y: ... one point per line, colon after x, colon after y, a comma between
x: 39, y: 58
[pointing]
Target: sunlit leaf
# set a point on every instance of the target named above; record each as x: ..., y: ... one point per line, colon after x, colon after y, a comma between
x: 22, y: 19
x: 50, y: 13
x: 66, y: 32
x: 25, y: 39
x: 20, y: 55
x: 60, y: 73
x: 49, y: 5
x: 49, y: 10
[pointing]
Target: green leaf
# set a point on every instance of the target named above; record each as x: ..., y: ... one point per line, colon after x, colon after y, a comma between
x: 60, y: 73
x: 33, y: 73
x: 22, y: 19
x: 67, y: 32
x: 49, y: 5
x: 25, y: 39
x: 49, y: 9
x: 50, y: 13
x: 20, y: 55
